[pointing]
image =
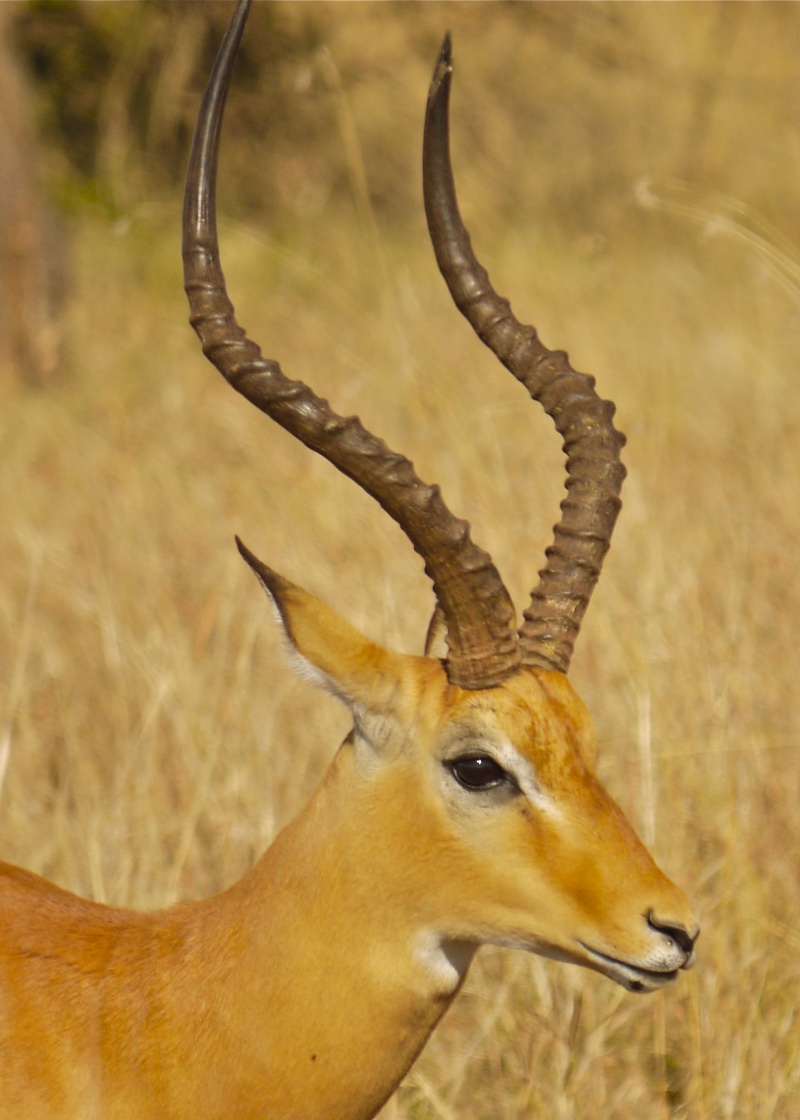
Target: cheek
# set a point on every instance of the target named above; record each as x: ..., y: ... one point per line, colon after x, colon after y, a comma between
x: 515, y: 857
x: 545, y: 854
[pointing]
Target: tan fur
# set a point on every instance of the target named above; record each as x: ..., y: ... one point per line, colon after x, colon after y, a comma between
x: 308, y: 988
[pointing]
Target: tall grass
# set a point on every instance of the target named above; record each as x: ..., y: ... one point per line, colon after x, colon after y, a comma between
x: 153, y: 739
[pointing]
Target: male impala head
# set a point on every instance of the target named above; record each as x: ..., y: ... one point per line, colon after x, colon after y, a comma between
x: 488, y: 754
x: 462, y: 808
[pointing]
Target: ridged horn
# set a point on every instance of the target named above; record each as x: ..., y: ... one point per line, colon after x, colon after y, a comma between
x: 591, y: 443
x: 483, y: 646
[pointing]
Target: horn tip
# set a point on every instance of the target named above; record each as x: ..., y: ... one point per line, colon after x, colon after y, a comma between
x: 444, y: 66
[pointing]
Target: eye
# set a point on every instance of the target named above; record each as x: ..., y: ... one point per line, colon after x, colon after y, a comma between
x: 477, y: 771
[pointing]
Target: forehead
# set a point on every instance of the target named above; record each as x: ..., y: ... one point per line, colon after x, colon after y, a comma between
x: 538, y: 713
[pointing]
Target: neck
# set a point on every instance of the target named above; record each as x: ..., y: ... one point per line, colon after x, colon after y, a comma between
x: 324, y: 990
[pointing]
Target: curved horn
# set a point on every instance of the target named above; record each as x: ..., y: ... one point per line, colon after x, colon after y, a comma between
x: 591, y: 443
x: 482, y: 642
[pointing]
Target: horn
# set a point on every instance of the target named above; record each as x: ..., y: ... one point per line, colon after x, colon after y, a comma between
x: 591, y: 443
x: 483, y: 646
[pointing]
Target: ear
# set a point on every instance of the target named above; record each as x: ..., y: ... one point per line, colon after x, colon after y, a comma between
x: 328, y: 651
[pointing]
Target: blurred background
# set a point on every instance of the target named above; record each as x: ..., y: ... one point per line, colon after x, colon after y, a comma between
x: 631, y: 177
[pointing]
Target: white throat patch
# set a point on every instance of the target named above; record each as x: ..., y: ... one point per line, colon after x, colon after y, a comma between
x: 444, y: 962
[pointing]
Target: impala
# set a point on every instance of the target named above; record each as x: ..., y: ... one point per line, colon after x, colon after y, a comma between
x: 461, y: 810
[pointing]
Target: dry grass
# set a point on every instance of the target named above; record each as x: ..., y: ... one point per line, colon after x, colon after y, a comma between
x: 154, y: 738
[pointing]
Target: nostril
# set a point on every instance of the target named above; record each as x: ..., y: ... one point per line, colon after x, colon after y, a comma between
x: 678, y: 933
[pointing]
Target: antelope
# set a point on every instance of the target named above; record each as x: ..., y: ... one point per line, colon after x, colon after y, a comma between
x: 461, y: 810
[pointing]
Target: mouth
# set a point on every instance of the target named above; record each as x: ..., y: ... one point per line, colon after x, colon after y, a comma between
x: 631, y: 976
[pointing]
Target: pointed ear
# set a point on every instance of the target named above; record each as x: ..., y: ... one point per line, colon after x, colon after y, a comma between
x: 328, y: 651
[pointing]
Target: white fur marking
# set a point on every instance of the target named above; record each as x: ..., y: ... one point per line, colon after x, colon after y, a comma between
x: 301, y: 665
x: 524, y: 775
x: 445, y: 963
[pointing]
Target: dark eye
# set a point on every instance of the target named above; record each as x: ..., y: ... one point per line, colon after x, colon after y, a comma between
x: 477, y: 772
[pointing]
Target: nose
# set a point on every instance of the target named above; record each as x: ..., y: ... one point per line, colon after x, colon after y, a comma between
x: 684, y: 938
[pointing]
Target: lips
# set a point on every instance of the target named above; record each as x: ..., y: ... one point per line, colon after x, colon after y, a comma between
x: 634, y: 977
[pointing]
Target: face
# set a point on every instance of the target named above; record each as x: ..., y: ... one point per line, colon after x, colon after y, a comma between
x: 479, y: 811
x: 533, y: 852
